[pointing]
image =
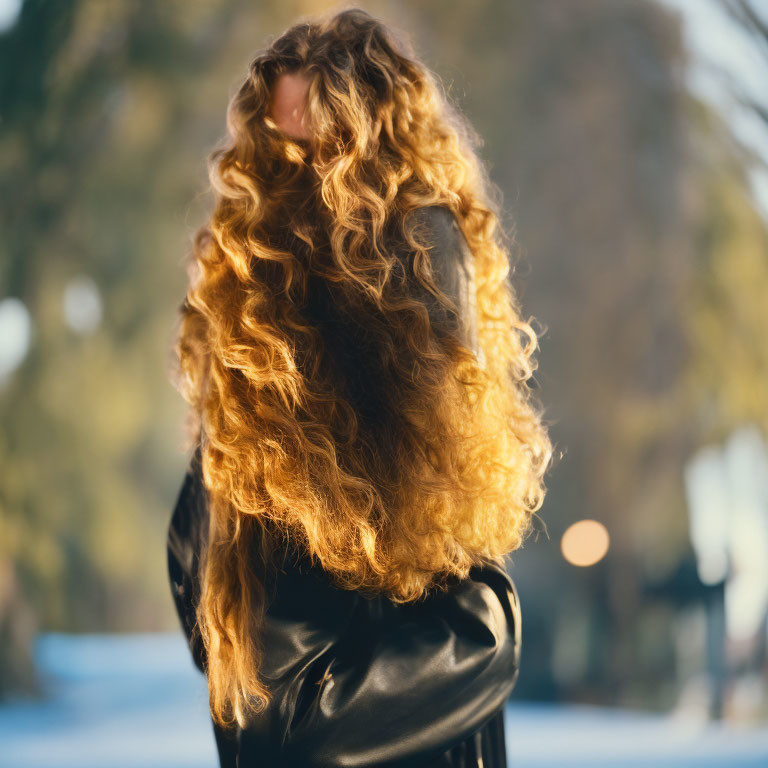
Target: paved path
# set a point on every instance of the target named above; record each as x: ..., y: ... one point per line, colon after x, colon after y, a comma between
x: 135, y: 701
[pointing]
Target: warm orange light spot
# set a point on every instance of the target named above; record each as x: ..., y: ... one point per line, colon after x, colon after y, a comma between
x: 585, y: 543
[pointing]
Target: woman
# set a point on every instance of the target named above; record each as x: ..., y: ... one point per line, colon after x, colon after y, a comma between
x: 367, y: 449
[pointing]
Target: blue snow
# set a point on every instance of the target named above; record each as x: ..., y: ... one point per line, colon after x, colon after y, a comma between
x: 135, y: 701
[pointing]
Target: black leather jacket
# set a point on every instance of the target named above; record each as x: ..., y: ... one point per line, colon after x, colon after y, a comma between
x: 360, y: 681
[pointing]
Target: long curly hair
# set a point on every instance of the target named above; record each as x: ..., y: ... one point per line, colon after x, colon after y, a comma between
x: 334, y: 408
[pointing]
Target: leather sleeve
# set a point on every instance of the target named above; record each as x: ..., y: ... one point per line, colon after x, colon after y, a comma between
x: 363, y: 682
x: 183, y: 546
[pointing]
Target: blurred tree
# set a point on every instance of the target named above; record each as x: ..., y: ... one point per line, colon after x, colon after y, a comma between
x: 106, y: 113
x: 616, y: 176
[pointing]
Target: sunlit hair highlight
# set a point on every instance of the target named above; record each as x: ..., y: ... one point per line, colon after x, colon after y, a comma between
x: 440, y: 464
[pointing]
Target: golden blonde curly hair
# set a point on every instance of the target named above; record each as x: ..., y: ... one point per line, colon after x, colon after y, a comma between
x: 437, y: 460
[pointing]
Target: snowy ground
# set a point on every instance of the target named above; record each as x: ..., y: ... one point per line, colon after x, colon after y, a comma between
x: 134, y: 701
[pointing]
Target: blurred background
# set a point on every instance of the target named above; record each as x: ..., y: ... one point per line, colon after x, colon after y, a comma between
x: 630, y: 139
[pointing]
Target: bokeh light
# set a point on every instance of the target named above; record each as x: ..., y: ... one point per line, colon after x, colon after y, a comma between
x: 15, y: 332
x: 585, y: 543
x: 82, y: 304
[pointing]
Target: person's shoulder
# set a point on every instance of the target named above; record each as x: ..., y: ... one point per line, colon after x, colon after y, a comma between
x: 439, y: 227
x: 438, y: 217
x: 436, y: 227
